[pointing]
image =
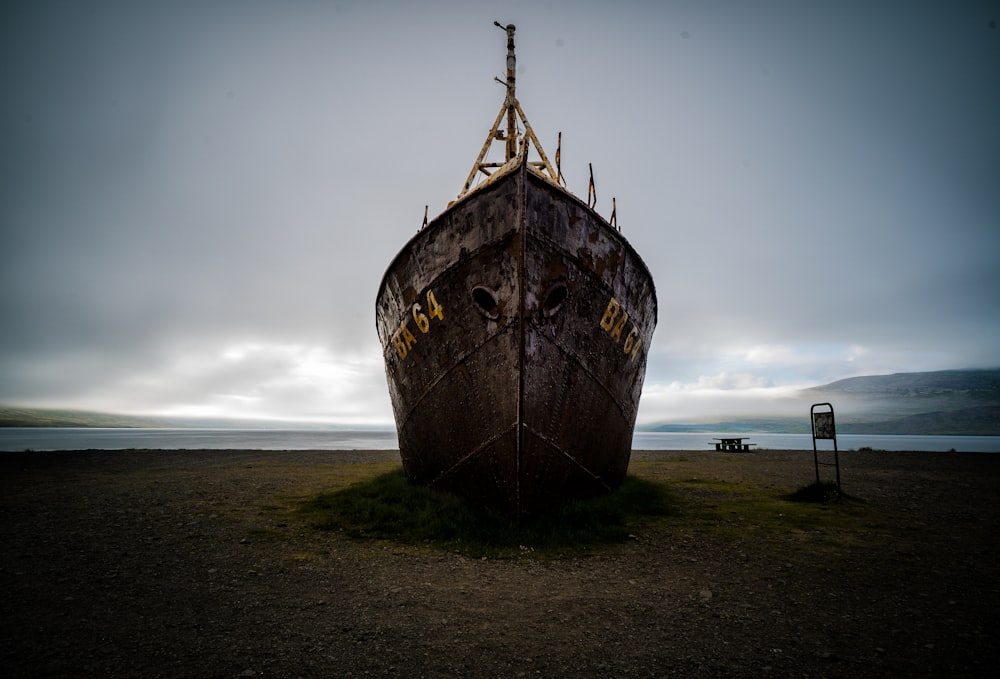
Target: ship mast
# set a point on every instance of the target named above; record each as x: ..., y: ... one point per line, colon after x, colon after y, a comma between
x: 513, y: 112
x: 510, y: 101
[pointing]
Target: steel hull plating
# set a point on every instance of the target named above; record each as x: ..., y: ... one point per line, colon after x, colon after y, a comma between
x: 514, y: 328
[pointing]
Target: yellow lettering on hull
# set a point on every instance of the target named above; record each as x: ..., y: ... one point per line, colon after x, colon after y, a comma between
x: 404, y: 339
x: 615, y: 324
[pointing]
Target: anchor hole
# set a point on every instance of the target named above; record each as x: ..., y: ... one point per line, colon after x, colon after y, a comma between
x: 486, y: 302
x: 554, y: 298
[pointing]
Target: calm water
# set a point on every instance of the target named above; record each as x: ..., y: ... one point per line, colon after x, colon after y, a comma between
x: 16, y: 438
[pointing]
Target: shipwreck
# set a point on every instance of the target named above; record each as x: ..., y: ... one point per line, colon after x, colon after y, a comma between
x: 515, y: 327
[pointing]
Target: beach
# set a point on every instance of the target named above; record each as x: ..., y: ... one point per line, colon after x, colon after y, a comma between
x: 191, y: 564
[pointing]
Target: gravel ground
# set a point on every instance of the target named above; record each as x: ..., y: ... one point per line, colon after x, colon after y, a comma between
x: 182, y: 564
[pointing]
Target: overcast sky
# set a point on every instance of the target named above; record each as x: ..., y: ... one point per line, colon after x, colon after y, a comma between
x: 199, y: 198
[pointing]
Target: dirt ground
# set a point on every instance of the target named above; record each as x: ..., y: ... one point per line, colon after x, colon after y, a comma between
x: 185, y: 564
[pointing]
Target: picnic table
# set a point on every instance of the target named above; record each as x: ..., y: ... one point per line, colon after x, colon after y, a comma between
x: 732, y: 443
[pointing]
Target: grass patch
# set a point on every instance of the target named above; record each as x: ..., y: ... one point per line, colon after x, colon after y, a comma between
x: 389, y: 507
x: 810, y: 520
x: 738, y: 505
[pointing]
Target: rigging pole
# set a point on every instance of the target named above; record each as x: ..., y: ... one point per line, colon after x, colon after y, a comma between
x: 510, y: 100
x: 513, y: 112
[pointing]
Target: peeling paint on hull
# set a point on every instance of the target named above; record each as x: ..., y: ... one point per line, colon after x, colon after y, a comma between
x: 514, y: 328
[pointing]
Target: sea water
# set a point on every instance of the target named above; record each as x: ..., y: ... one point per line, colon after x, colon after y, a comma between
x: 41, y: 438
x: 698, y: 441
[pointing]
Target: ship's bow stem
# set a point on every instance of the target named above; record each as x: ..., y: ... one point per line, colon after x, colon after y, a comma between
x: 521, y: 324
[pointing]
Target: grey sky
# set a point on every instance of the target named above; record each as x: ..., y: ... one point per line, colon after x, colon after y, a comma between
x: 199, y: 198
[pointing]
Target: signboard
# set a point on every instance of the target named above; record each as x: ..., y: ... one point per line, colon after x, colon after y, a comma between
x: 823, y: 427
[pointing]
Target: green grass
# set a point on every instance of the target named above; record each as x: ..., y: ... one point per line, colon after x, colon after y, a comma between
x: 388, y: 507
x: 813, y: 519
x: 659, y: 501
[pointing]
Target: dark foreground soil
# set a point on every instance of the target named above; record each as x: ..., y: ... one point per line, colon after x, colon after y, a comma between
x: 183, y: 564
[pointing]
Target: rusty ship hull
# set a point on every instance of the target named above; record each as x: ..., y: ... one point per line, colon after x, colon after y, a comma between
x: 515, y: 329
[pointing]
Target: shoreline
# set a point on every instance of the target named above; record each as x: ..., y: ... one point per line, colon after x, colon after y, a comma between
x: 31, y: 438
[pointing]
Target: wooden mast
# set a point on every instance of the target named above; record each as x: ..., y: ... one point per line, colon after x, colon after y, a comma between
x: 510, y: 101
x: 513, y: 112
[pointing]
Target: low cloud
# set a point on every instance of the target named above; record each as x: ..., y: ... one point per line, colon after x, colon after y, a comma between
x: 718, y: 397
x: 252, y: 380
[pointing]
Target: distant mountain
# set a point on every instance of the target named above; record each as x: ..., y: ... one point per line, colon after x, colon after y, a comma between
x: 771, y: 425
x: 980, y: 420
x: 945, y: 402
x: 11, y: 416
x: 884, y: 398
x: 966, y: 384
x: 39, y: 417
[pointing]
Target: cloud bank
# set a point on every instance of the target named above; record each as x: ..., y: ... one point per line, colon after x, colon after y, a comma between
x: 199, y: 200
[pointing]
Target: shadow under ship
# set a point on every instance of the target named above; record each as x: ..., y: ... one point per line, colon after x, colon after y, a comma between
x: 515, y: 327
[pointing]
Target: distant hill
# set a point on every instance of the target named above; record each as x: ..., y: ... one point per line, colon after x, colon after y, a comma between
x: 771, y: 425
x: 980, y: 420
x: 11, y: 416
x: 885, y: 397
x: 945, y: 402
x: 972, y: 383
x: 38, y: 417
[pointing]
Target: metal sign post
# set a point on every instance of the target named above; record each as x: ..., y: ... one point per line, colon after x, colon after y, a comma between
x: 824, y: 427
